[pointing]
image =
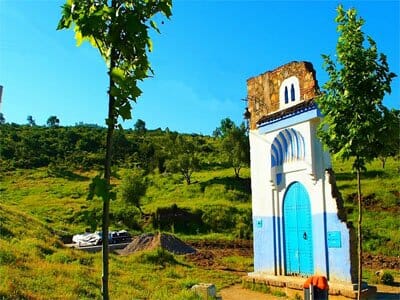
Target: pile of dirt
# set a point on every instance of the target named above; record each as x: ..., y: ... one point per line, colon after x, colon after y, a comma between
x: 149, y: 241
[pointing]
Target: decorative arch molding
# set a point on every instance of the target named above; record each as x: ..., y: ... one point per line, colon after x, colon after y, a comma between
x: 287, y: 146
x: 289, y: 92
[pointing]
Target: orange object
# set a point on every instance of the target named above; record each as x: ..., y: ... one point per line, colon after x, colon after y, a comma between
x: 317, y: 281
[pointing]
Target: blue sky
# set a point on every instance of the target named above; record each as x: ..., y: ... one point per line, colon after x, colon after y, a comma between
x: 201, y: 60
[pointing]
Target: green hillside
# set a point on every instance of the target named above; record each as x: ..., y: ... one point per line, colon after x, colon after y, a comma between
x: 43, y: 201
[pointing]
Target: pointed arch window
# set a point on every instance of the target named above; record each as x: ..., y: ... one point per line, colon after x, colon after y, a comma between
x: 286, y: 95
x: 289, y: 92
x: 292, y: 92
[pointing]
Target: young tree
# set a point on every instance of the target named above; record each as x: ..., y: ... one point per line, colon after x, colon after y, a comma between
x: 31, y: 121
x: 119, y: 29
x: 133, y: 188
x: 352, y: 101
x: 235, y: 145
x: 183, y: 158
x: 2, y: 119
x: 226, y: 125
x: 53, y: 121
x: 140, y: 126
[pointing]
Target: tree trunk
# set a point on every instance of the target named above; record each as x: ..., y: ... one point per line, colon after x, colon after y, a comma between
x: 107, y: 177
x: 359, y: 235
x: 106, y: 200
x: 188, y: 181
x: 237, y: 171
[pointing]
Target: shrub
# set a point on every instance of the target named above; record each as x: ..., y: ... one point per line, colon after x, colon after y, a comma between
x: 127, y: 215
x: 387, y: 278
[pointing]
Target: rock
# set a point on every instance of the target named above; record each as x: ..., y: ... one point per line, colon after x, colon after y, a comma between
x: 205, y: 290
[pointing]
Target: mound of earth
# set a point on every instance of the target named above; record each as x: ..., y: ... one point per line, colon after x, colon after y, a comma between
x: 149, y: 241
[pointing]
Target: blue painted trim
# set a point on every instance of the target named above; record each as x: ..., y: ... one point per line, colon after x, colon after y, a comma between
x: 289, y: 120
x: 326, y: 245
x: 287, y: 145
x: 274, y: 238
x: 264, y: 247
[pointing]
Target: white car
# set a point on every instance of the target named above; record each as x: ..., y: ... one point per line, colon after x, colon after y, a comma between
x: 87, y: 239
x: 92, y: 239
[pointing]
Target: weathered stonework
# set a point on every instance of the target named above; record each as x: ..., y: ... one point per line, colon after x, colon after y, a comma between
x: 263, y: 90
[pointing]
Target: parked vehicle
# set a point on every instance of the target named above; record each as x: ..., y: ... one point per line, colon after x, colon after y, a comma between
x: 87, y: 239
x: 121, y: 236
x: 92, y: 239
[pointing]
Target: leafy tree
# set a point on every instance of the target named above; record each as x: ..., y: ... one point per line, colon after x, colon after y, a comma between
x: 183, y: 158
x: 235, y: 145
x: 390, y: 140
x: 352, y: 102
x: 133, y: 188
x: 53, y: 121
x: 119, y: 30
x: 31, y: 121
x: 226, y: 125
x: 2, y: 119
x: 140, y: 126
x: 146, y: 155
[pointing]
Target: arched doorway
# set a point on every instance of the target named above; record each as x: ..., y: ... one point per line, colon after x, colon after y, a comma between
x: 298, y: 231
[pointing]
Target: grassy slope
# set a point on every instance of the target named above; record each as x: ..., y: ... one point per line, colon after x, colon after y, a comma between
x: 34, y: 265
x: 33, y: 206
x: 381, y: 188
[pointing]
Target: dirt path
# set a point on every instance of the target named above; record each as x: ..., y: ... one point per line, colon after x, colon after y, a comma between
x: 237, y: 292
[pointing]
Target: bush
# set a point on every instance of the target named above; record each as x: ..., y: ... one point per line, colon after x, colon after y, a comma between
x: 387, y: 278
x: 126, y: 215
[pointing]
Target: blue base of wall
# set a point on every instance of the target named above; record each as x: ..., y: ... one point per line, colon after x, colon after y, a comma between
x: 264, y: 244
x: 331, y: 246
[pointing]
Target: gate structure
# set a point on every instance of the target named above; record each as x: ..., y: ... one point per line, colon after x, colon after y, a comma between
x: 299, y: 222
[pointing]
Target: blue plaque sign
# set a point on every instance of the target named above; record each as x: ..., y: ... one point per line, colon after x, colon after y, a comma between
x: 334, y: 239
x: 259, y: 223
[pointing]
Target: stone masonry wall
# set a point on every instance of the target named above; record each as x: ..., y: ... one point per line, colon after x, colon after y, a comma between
x: 263, y: 90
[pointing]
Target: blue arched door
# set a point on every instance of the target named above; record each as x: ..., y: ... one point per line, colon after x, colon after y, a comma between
x: 298, y: 231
